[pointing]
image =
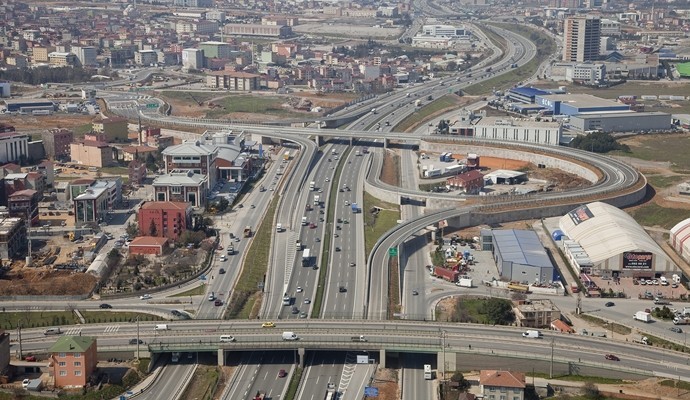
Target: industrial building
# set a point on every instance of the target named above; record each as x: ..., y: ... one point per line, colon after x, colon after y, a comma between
x: 512, y: 130
x: 279, y: 31
x: 622, y: 121
x: 526, y: 95
x: 519, y: 255
x: 573, y: 104
x: 29, y: 105
x: 505, y: 177
x: 615, y: 244
x: 680, y: 234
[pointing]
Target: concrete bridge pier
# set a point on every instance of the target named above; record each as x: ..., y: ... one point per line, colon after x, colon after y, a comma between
x: 382, y: 358
x: 300, y: 356
x: 221, y: 357
x: 385, y: 143
x: 319, y: 140
x: 447, y: 359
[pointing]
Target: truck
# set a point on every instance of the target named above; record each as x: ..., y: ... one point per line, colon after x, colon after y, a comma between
x: 642, y: 316
x: 247, y: 231
x: 532, y: 333
x: 357, y: 153
x: 312, y: 186
x: 681, y: 320
x: 417, y: 103
x: 355, y: 208
x: 641, y: 340
x: 464, y: 281
x: 279, y: 227
x: 290, y: 336
x: 330, y: 391
x: 446, y: 274
x: 333, y: 152
x: 359, y: 338
x: 317, y: 200
x: 306, y: 257
x: 259, y: 396
x: 286, y: 156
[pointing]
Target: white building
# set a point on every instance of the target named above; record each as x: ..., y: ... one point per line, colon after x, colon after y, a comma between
x: 193, y: 58
x: 448, y: 31
x: 86, y: 55
x: 146, y: 57
x: 586, y: 72
x: 610, y: 27
x: 510, y: 130
x: 13, y: 147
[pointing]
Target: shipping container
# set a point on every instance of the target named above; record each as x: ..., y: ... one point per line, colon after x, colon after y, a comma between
x: 446, y: 274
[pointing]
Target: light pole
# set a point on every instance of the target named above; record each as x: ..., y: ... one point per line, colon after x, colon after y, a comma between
x: 443, y: 344
x: 137, y: 337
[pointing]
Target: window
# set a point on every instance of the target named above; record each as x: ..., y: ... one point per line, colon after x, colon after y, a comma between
x: 63, y: 373
x: 62, y: 364
x: 62, y: 355
x: 77, y: 355
x: 77, y: 363
x: 175, y: 189
x: 78, y: 373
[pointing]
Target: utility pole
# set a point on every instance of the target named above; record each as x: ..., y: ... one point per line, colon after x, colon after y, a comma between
x: 19, y: 336
x: 137, y: 337
x: 551, y: 365
x: 443, y: 343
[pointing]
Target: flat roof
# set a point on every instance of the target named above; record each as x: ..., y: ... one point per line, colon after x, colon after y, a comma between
x: 582, y: 100
x: 618, y: 114
x: 528, y: 91
x: 507, y: 121
x: 521, y: 247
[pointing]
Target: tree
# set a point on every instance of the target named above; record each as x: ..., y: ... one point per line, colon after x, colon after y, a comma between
x: 132, y: 229
x: 153, y: 231
x: 598, y: 142
x: 463, y: 384
x: 151, y: 163
x: 223, y: 204
x: 499, y: 311
x: 591, y: 391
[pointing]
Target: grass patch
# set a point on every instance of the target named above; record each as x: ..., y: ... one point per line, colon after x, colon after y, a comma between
x: 665, y: 344
x: 193, y: 98
x: 426, y: 111
x: 37, y: 319
x: 394, y: 305
x: 201, y: 289
x: 579, y: 378
x: 630, y: 88
x: 326, y: 240
x: 203, y: 383
x: 653, y: 214
x: 376, y: 225
x: 673, y: 148
x: 475, y: 310
x: 661, y: 181
x: 143, y: 366
x: 675, y: 384
x: 294, y: 384
x: 81, y: 130
x: 614, y: 327
x: 114, y: 170
x: 253, y: 104
x: 254, y: 267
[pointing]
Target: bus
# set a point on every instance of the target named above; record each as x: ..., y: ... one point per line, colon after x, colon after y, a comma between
x: 427, y: 371
x: 306, y: 257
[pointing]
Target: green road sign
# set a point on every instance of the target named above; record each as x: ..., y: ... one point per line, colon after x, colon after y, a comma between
x: 152, y: 105
x: 393, y: 252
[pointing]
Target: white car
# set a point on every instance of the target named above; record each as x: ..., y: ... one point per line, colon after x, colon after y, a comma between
x: 328, y: 179
x: 347, y: 203
x: 25, y: 383
x: 145, y: 297
x: 299, y: 289
x: 223, y: 258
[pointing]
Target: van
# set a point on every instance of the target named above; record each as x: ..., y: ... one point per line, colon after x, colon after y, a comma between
x: 52, y: 331
x: 289, y: 336
x: 227, y: 339
x: 279, y: 227
x: 161, y: 327
x: 532, y: 334
x: 304, y: 221
x: 663, y: 281
x: 93, y: 169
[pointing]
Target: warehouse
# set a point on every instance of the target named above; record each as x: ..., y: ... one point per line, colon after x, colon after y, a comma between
x: 622, y: 122
x: 509, y: 129
x: 617, y: 246
x: 519, y: 255
x: 525, y: 95
x: 679, y: 238
x: 29, y: 105
x: 573, y: 104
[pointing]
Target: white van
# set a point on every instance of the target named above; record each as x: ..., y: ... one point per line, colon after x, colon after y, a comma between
x: 304, y: 221
x: 279, y: 227
x: 663, y: 281
x: 161, y: 327
x: 290, y: 336
x: 227, y: 339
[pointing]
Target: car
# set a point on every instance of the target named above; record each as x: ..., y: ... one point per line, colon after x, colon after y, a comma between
x: 282, y: 373
x: 221, y: 271
x: 610, y: 304
x: 145, y: 297
x: 307, y: 301
x: 342, y: 289
x: 303, y: 315
x: 672, y: 329
x: 336, y: 235
x: 317, y: 239
x: 105, y: 306
x: 320, y: 190
x: 223, y: 257
x: 352, y: 264
x: 328, y: 179
x: 211, y: 296
x: 218, y: 302
x: 134, y: 341
x: 299, y: 289
x: 25, y: 383
x: 337, y: 227
x: 320, y: 211
x: 295, y: 310
x: 240, y: 206
x: 268, y: 325
x: 237, y: 239
x: 30, y: 358
x: 341, y: 190
x: 347, y: 203
x: 611, y: 357
x: 337, y: 248
x: 415, y: 292
x: 312, y: 225
x: 252, y: 206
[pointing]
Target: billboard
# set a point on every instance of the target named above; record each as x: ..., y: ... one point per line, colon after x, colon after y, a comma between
x: 580, y: 214
x: 637, y: 260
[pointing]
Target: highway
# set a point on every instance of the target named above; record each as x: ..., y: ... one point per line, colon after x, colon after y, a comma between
x: 256, y: 372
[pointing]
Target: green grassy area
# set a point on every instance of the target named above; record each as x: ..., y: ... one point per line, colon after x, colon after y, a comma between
x: 377, y: 225
x: 114, y: 170
x: 188, y: 96
x: 653, y: 214
x: 201, y: 289
x: 666, y: 344
x: 578, y: 378
x: 675, y: 384
x: 81, y: 130
x: 203, y: 383
x: 253, y: 104
x: 673, y: 148
x: 427, y: 110
x: 294, y: 384
x: 37, y: 319
x: 143, y: 366
x: 661, y: 181
x: 614, y: 327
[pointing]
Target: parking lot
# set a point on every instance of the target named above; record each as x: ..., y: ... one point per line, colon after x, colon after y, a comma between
x: 641, y: 289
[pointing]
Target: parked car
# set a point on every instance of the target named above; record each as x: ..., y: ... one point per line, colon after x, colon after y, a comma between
x: 25, y: 383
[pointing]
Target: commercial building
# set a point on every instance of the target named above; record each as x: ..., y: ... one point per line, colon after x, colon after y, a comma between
x: 14, y: 147
x: 231, y: 80
x: 587, y: 73
x: 24, y: 204
x: 12, y: 238
x: 93, y: 204
x: 165, y: 218
x: 86, y: 55
x: 537, y: 313
x: 73, y: 360
x: 91, y: 153
x: 56, y: 143
x: 448, y: 31
x: 146, y: 57
x: 526, y: 95
x: 193, y: 58
x: 512, y: 130
x: 279, y: 31
x: 622, y: 121
x: 63, y: 59
x: 615, y: 244
x: 40, y: 54
x: 610, y: 27
x: 680, y: 234
x: 505, y: 177
x: 194, y: 156
x: 502, y: 385
x: 573, y: 104
x: 581, y: 38
x: 519, y: 255
x: 149, y: 245
x: 26, y: 106
x: 182, y: 186
x: 470, y: 182
x: 220, y: 50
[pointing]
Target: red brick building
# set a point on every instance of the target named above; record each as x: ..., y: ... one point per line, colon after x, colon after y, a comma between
x: 74, y: 360
x: 165, y: 218
x: 149, y: 245
x: 470, y: 182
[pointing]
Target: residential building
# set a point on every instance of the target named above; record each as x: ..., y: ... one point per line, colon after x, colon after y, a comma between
x: 24, y: 204
x: 470, y: 182
x: 93, y: 154
x: 130, y: 153
x: 4, y: 349
x: 137, y: 172
x: 56, y: 143
x: 93, y: 204
x: 220, y: 50
x: 114, y: 128
x: 17, y: 60
x: 36, y: 181
x: 146, y: 57
x: 149, y: 245
x: 231, y: 80
x: 47, y: 169
x: 12, y: 238
x: 14, y: 147
x: 73, y: 360
x: 182, y: 186
x: 581, y: 38
x: 165, y: 218
x: 193, y: 156
x: 40, y: 54
x: 279, y: 31
x: 610, y: 27
x: 193, y: 58
x: 61, y: 59
x: 538, y: 313
x: 502, y: 385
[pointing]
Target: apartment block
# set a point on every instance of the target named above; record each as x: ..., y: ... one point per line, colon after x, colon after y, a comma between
x: 165, y: 218
x: 73, y: 360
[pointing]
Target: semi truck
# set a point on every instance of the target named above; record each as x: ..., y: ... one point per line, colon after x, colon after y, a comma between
x: 247, y: 231
x: 330, y: 391
x: 359, y: 338
x: 642, y: 316
x: 446, y: 274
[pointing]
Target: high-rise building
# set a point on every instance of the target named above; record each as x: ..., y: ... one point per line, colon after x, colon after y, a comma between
x: 581, y: 38
x: 193, y: 58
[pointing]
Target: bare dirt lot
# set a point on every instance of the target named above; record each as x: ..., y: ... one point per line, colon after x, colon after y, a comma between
x: 31, y: 124
x: 41, y: 281
x: 502, y: 163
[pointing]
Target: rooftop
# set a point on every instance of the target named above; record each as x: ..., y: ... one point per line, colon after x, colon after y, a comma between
x: 582, y: 100
x: 188, y: 148
x: 528, y: 91
x: 7, y: 224
x: 72, y: 344
x: 502, y: 379
x: 25, y: 192
x: 507, y: 121
x: 521, y: 246
x: 148, y: 241
x: 180, y: 178
x: 623, y: 114
x: 165, y: 205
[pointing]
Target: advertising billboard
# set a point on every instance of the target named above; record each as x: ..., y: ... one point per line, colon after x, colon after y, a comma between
x: 580, y: 214
x: 637, y: 260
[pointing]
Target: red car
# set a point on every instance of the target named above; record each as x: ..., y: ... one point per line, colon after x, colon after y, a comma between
x: 282, y: 373
x: 30, y: 358
x: 312, y: 225
x: 218, y: 302
x: 612, y: 357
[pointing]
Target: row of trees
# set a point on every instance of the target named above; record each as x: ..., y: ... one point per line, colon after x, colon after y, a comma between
x: 40, y: 75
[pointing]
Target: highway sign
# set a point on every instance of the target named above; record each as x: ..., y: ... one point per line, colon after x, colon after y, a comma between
x: 393, y: 252
x: 152, y: 105
x: 371, y: 391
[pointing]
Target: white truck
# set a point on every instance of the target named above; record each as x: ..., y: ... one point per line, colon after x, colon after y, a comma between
x: 359, y: 338
x: 290, y: 336
x: 642, y: 316
x: 464, y: 281
x: 312, y: 186
x: 681, y: 320
x: 317, y: 200
x: 279, y: 227
x: 641, y: 340
x: 531, y: 333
